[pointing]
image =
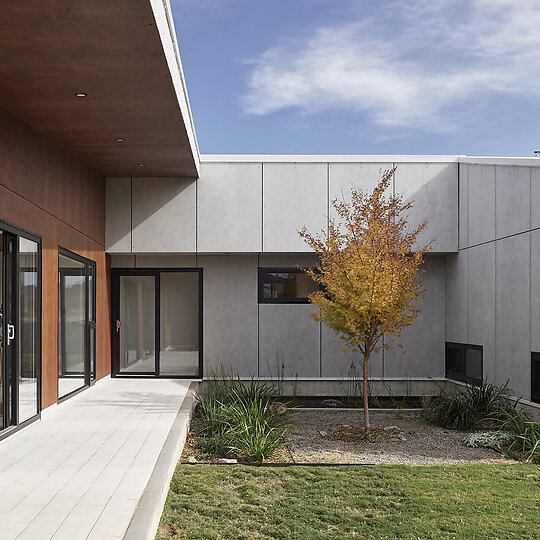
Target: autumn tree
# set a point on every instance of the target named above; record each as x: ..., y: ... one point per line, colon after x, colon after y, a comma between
x: 368, y: 272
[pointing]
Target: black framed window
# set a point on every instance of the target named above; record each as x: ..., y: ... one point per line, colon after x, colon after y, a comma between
x: 20, y: 328
x: 157, y: 322
x: 464, y: 362
x: 285, y: 286
x: 535, y: 377
x: 76, y: 323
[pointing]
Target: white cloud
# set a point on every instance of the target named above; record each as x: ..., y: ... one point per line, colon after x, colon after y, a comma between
x: 408, y: 63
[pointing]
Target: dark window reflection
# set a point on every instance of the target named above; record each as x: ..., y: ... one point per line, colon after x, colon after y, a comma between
x: 291, y: 285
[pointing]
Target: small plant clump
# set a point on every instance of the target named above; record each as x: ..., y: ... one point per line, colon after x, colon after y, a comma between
x: 486, y: 403
x: 487, y: 439
x: 524, y: 433
x: 477, y: 403
x: 241, y: 420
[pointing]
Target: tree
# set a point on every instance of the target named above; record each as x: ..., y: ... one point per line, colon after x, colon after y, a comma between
x: 368, y: 272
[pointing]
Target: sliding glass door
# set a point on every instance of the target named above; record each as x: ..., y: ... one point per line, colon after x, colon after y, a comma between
x: 20, y: 326
x: 76, y: 323
x: 29, y: 336
x: 157, y: 323
x: 136, y: 331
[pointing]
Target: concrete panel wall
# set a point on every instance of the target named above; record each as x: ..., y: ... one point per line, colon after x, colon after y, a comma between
x: 492, y: 285
x: 513, y: 205
x: 229, y: 207
x: 335, y: 362
x: 433, y: 188
x: 535, y: 198
x: 481, y: 204
x: 463, y: 205
x: 480, y: 305
x: 289, y: 341
x: 230, y: 313
x: 254, y: 207
x: 513, y: 313
x: 457, y: 314
x: 423, y: 343
x: 287, y: 260
x: 153, y: 260
x: 118, y: 215
x: 294, y: 195
x: 122, y: 261
x: 535, y: 291
x: 343, y: 177
x: 163, y: 215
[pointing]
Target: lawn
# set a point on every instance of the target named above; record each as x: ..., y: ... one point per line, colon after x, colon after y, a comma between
x: 380, y: 501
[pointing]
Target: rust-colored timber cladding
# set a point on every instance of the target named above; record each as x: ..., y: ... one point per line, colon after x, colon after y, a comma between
x: 112, y: 51
x: 48, y: 192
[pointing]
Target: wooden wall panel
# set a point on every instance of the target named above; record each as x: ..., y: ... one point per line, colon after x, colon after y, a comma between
x: 51, y: 194
x: 52, y: 179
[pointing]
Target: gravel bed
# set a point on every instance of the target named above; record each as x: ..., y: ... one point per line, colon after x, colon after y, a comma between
x: 315, y: 438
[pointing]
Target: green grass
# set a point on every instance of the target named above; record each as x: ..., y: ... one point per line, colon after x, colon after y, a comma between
x: 375, y: 502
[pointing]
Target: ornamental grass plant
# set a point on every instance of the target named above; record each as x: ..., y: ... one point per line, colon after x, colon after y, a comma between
x: 238, y: 419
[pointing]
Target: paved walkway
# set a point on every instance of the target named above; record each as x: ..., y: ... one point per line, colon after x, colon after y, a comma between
x: 80, y: 471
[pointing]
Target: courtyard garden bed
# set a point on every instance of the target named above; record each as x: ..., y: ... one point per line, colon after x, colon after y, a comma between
x: 380, y: 501
x: 250, y: 423
x: 397, y: 437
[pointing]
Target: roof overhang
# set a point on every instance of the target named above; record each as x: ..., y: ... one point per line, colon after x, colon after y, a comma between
x: 124, y: 56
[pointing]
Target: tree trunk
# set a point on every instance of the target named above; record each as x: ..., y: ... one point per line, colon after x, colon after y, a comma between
x: 366, y: 392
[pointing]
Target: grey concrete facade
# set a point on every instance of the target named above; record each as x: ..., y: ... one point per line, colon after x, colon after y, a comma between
x: 244, y: 213
x: 492, y: 285
x: 259, y: 206
x: 281, y: 341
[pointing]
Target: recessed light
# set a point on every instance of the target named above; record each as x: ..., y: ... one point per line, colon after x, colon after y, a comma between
x: 140, y: 164
x: 80, y: 94
x: 119, y: 139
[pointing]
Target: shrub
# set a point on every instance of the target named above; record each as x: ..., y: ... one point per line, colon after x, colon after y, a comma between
x: 525, y: 434
x: 239, y: 419
x: 487, y: 398
x: 477, y: 402
x: 453, y: 411
x: 220, y: 444
x: 487, y: 439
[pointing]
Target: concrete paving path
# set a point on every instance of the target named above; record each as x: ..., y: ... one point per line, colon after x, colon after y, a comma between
x: 80, y: 472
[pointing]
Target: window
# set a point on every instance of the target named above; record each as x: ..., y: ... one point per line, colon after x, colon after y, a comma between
x: 464, y: 362
x: 157, y: 316
x: 535, y: 377
x: 285, y: 286
x: 20, y: 327
x: 76, y: 323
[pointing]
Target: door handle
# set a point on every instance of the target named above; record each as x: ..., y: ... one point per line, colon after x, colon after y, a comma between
x: 117, y: 325
x: 10, y: 333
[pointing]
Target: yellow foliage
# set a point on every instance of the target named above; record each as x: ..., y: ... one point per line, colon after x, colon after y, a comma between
x: 368, y: 269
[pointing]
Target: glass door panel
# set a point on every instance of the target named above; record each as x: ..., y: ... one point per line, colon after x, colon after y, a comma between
x: 76, y: 322
x: 3, y: 367
x: 20, y: 327
x: 136, y: 325
x: 71, y: 325
x: 92, y: 320
x: 179, y: 324
x: 28, y: 331
x: 9, y: 316
x: 157, y: 322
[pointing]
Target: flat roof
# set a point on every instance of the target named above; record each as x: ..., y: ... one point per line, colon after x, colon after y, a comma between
x: 123, y: 55
x: 286, y: 158
x: 223, y: 158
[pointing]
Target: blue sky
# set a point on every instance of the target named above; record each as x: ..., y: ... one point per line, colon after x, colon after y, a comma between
x: 362, y: 77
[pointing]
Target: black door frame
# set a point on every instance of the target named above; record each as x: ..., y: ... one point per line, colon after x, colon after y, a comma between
x: 12, y: 233
x: 90, y: 320
x: 115, y: 312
